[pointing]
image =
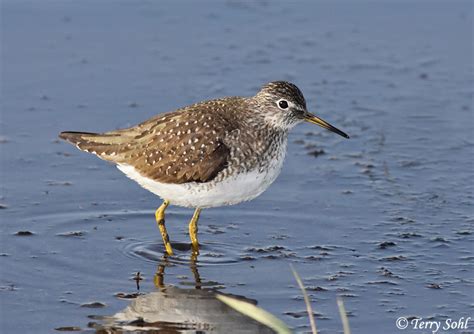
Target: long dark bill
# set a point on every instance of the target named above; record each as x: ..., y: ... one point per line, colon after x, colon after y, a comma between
x: 316, y: 120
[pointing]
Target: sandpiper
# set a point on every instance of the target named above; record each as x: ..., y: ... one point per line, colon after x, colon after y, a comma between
x: 209, y: 154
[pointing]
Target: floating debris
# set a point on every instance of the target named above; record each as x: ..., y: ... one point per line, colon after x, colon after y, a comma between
x: 123, y: 295
x: 64, y: 154
x: 303, y: 314
x: 385, y: 272
x: 68, y: 329
x: 408, y: 235
x: 315, y: 288
x: 10, y: 287
x: 394, y: 258
x: 72, y: 234
x: 58, y: 183
x: 338, y: 275
x: 94, y: 305
x: 322, y: 248
x: 268, y: 249
x: 386, y: 244
x: 24, y: 233
x: 382, y: 282
x: 316, y: 153
x: 280, y: 236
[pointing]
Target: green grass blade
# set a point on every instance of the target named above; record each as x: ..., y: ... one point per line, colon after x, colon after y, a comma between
x: 342, y: 312
x: 309, y: 309
x: 256, y: 313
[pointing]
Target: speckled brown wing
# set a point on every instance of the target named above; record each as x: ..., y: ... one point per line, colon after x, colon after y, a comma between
x: 179, y: 147
x: 185, y: 146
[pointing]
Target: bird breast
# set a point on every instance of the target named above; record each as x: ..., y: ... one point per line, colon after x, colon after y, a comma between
x: 241, y: 181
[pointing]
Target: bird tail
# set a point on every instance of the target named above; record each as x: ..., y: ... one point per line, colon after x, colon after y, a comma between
x: 107, y: 146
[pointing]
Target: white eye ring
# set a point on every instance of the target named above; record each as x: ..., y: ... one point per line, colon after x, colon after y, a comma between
x: 283, y: 104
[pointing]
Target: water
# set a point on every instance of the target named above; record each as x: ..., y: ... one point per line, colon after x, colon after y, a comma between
x: 384, y: 219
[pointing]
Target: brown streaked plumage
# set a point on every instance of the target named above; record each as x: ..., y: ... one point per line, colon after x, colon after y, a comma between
x: 178, y: 147
x: 216, y: 152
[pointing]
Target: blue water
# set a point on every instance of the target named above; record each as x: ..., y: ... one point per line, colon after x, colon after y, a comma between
x: 384, y: 220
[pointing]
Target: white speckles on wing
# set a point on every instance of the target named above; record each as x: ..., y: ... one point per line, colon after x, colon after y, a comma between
x: 178, y: 154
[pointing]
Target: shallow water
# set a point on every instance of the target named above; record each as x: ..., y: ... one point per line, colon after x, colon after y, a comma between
x: 384, y: 219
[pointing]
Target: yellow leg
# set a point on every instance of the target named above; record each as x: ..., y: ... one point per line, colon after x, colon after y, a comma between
x: 159, y: 278
x: 160, y: 220
x: 194, y: 269
x: 193, y: 230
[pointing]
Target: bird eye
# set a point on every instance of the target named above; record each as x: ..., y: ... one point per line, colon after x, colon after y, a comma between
x: 283, y: 104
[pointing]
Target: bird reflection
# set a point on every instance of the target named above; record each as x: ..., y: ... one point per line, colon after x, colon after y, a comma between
x: 160, y: 271
x: 171, y: 309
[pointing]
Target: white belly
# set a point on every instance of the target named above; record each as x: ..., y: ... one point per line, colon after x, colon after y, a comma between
x: 232, y: 190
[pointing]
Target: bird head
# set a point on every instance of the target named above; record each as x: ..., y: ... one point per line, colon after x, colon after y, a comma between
x: 283, y: 106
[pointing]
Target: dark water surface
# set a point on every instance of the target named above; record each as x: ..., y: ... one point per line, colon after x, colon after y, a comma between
x: 384, y: 219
